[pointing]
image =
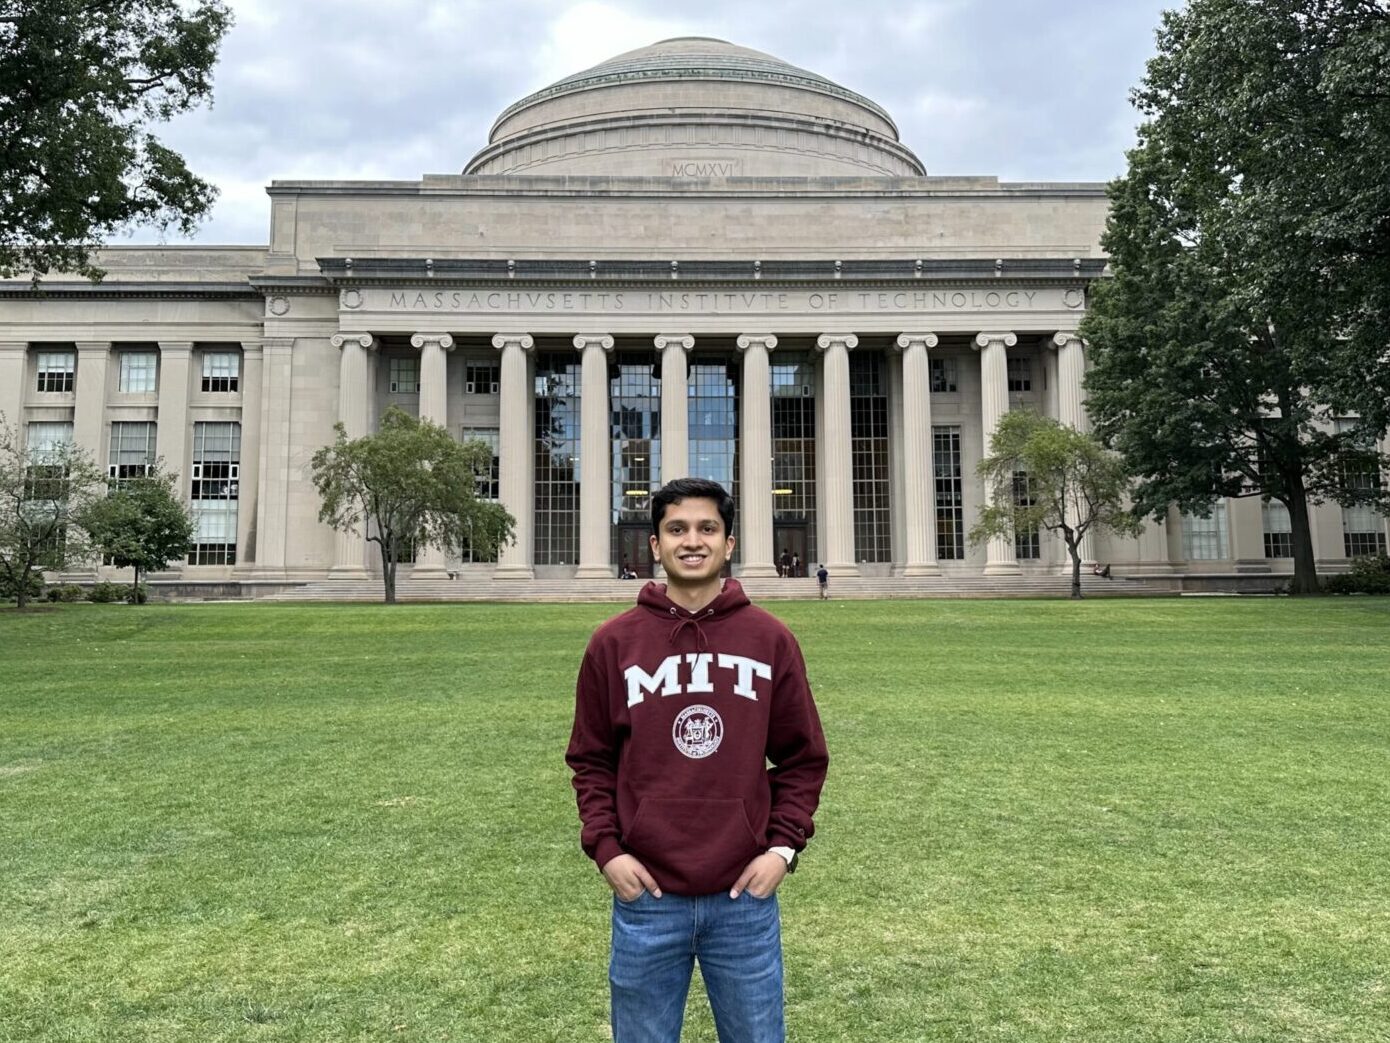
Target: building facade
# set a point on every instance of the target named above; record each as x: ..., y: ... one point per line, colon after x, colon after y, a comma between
x: 693, y: 258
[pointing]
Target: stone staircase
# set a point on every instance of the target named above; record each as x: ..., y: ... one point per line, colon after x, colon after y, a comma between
x: 471, y: 586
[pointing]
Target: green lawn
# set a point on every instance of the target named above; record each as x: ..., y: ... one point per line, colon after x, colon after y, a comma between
x: 1045, y: 821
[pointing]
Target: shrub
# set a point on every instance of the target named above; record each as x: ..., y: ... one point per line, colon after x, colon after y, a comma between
x: 67, y: 592
x: 105, y: 593
x: 1367, y: 575
x: 9, y: 588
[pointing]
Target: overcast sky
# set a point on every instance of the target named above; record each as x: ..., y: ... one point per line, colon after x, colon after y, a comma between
x: 1029, y: 90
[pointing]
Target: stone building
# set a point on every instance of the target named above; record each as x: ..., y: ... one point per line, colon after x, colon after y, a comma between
x: 693, y: 258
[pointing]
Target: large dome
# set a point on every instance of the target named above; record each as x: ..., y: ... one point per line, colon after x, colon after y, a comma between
x: 694, y: 107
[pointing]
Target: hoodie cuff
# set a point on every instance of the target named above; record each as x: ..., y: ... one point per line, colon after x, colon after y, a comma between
x: 795, y: 841
x: 607, y: 849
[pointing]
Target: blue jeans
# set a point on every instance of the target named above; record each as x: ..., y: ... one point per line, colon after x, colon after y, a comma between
x: 656, y: 942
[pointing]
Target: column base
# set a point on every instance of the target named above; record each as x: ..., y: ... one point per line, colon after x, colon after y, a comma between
x: 1003, y: 568
x: 429, y: 570
x: 594, y: 572
x: 513, y: 572
x: 914, y: 570
x: 835, y: 568
x: 348, y: 572
x: 758, y: 570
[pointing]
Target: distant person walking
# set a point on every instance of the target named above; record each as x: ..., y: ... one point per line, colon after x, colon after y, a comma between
x: 823, y: 582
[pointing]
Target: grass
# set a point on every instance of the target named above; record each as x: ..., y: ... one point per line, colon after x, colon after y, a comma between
x: 1045, y: 821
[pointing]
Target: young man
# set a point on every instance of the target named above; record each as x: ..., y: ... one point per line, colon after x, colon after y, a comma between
x: 823, y: 581
x: 682, y: 703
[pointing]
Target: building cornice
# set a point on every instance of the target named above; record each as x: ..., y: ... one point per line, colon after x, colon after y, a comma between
x: 142, y: 288
x: 345, y: 271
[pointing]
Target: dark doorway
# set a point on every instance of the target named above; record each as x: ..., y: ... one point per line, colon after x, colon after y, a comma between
x: 634, y: 550
x: 789, y: 544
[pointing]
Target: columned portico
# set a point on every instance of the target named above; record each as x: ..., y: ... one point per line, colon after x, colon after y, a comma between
x: 595, y: 482
x: 675, y: 404
x: 838, y: 501
x: 430, y: 562
x: 919, y: 491
x: 516, y: 461
x: 994, y: 403
x: 755, y: 461
x: 354, y: 383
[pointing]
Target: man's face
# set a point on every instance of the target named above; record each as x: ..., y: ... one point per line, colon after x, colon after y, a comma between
x: 691, y: 544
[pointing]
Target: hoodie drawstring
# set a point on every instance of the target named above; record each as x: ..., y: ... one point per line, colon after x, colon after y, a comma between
x: 701, y: 642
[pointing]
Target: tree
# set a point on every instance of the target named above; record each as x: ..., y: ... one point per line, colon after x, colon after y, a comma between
x: 1241, y: 347
x: 413, y: 486
x: 80, y: 84
x: 1074, y: 486
x: 43, y: 493
x: 142, y: 524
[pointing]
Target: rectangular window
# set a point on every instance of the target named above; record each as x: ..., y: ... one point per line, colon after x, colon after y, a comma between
x: 221, y: 370
x: 868, y: 408
x: 55, y: 370
x: 950, y: 511
x: 132, y: 450
x: 557, y: 462
x: 1027, y: 546
x: 1204, y: 539
x: 793, y: 402
x: 1278, y: 529
x: 214, y: 490
x: 1020, y: 373
x: 481, y: 378
x: 44, y: 477
x: 138, y: 369
x: 404, y: 375
x: 943, y: 374
x: 488, y: 482
x: 1363, y: 530
x: 714, y: 393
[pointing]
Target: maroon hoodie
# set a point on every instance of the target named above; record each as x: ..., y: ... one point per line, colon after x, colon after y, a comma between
x: 677, y: 715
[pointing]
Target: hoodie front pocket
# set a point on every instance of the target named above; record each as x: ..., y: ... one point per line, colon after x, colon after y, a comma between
x: 693, y: 840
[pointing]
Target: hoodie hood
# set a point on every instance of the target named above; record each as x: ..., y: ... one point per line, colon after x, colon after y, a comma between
x: 654, y: 599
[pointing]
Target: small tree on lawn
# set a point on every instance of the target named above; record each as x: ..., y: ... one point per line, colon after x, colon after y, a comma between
x: 44, y: 490
x: 413, y: 486
x: 142, y: 525
x: 1075, y: 486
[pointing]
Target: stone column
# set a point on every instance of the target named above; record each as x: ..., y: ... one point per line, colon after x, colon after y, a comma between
x: 595, y: 446
x: 171, y: 434
x: 252, y: 367
x: 675, y: 405
x: 837, y: 498
x: 272, y: 495
x: 516, y: 486
x: 755, y: 456
x: 354, y: 413
x: 14, y: 355
x: 89, y: 412
x: 1071, y: 406
x: 431, y: 562
x: 919, y: 492
x: 994, y: 403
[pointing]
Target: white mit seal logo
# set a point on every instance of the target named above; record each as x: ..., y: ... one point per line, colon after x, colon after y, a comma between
x: 698, y: 731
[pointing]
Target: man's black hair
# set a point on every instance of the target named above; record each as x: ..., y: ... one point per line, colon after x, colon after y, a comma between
x: 693, y: 488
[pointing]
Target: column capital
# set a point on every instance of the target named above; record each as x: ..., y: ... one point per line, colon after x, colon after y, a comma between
x: 908, y: 340
x: 595, y: 340
x: 684, y: 341
x: 766, y: 341
x: 1062, y: 338
x: 522, y: 340
x: 169, y: 347
x: 826, y: 341
x: 984, y: 340
x: 93, y: 345
x: 442, y: 340
x: 363, y: 340
x: 252, y: 348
